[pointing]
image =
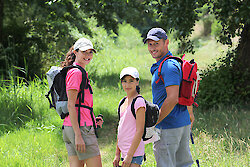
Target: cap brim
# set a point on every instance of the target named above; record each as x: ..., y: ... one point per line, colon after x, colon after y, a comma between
x: 154, y: 38
x: 121, y: 76
x: 87, y: 48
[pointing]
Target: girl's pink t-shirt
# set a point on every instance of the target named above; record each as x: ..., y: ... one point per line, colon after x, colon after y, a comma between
x: 127, y: 130
x: 73, y: 81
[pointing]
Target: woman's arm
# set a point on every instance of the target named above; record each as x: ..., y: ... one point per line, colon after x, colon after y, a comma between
x: 72, y: 97
x: 140, y: 122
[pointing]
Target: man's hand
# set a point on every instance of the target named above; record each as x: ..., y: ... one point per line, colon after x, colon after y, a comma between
x: 191, y: 113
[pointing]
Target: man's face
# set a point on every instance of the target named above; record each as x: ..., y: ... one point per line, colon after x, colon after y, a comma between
x: 158, y: 49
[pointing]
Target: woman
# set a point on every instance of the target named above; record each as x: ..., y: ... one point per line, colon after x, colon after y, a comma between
x: 80, y: 141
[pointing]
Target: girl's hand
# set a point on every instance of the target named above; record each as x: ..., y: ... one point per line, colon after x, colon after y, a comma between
x: 127, y: 161
x: 116, y: 161
x: 99, y: 121
x: 79, y: 143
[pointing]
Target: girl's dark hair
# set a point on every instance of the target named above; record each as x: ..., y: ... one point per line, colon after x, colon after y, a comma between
x: 138, y: 89
x: 69, y: 58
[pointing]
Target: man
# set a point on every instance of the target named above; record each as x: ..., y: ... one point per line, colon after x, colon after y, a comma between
x: 174, y: 125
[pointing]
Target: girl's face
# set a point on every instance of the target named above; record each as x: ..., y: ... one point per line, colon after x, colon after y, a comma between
x: 129, y: 84
x: 84, y: 57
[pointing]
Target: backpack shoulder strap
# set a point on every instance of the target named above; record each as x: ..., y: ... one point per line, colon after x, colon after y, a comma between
x: 84, y: 76
x: 160, y: 66
x: 176, y: 58
x: 133, y: 106
x: 119, y: 106
x: 80, y: 95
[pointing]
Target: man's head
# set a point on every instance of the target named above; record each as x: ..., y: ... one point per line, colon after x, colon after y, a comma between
x: 157, y: 43
x: 156, y: 34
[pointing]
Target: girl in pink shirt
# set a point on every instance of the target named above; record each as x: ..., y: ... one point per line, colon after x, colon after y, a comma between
x: 80, y: 140
x: 130, y: 145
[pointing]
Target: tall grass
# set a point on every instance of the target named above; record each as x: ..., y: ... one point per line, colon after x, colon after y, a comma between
x: 31, y: 132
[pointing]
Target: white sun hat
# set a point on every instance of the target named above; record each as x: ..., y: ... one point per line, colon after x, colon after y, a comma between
x: 83, y: 44
x: 129, y: 71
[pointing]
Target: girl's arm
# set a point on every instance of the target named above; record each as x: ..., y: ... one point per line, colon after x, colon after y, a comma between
x: 140, y: 122
x: 72, y: 97
x: 117, y: 156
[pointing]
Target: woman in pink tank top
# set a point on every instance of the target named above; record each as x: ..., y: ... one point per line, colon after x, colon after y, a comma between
x: 80, y: 140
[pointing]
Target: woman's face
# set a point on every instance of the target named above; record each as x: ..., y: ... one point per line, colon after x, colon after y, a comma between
x: 84, y: 57
x: 129, y: 84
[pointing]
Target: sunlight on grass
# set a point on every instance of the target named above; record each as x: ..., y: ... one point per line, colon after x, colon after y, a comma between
x: 221, y: 135
x: 32, y: 147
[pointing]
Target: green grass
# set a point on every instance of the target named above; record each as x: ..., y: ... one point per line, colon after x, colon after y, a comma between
x: 30, y: 132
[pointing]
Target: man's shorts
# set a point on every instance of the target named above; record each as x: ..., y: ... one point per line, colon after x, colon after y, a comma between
x: 89, y: 137
x: 173, y: 148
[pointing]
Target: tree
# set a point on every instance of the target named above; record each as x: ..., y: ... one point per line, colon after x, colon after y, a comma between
x: 233, y: 15
x: 34, y: 29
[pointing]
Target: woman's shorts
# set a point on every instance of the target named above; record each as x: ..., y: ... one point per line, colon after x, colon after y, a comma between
x: 136, y: 160
x: 89, y: 137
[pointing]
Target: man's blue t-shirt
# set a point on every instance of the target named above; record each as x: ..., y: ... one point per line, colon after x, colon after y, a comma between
x: 172, y: 75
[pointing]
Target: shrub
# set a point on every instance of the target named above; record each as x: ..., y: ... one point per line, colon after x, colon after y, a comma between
x: 20, y: 102
x: 219, y: 84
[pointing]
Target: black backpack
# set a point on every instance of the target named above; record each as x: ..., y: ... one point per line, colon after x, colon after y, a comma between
x: 59, y: 99
x: 151, y: 116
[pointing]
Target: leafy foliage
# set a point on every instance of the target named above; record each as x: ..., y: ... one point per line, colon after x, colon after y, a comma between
x: 21, y: 102
x: 220, y: 84
x: 36, y: 34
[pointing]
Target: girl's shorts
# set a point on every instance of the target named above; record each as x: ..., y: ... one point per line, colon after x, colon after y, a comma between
x: 136, y: 160
x: 89, y: 137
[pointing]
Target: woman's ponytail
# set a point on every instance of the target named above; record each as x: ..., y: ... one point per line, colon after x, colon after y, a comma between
x: 69, y: 58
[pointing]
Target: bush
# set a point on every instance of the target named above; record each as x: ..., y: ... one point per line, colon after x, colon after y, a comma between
x: 21, y: 102
x: 219, y: 84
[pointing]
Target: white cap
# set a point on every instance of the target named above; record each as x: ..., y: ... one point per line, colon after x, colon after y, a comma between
x: 129, y: 71
x: 83, y: 44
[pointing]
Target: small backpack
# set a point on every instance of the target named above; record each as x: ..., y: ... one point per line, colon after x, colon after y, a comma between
x: 151, y: 116
x: 190, y: 80
x: 56, y: 77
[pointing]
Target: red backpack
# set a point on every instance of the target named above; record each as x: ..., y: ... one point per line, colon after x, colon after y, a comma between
x: 190, y: 80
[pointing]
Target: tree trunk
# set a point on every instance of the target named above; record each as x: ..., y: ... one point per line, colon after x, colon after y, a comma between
x: 1, y: 21
x: 241, y: 64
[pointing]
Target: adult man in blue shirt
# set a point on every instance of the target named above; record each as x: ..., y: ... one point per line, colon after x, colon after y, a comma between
x: 172, y: 150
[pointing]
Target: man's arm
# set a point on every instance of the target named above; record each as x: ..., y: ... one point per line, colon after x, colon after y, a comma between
x: 191, y: 113
x: 170, y: 102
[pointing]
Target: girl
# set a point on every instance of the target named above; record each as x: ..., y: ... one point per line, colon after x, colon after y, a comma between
x: 130, y: 130
x: 81, y: 142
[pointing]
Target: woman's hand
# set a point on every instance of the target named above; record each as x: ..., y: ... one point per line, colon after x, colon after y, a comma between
x: 127, y: 161
x: 99, y: 121
x: 79, y: 143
